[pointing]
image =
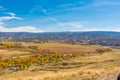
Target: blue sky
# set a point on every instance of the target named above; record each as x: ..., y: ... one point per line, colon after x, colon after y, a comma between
x: 59, y: 15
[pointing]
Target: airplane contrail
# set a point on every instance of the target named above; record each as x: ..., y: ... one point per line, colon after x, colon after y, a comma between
x: 52, y: 18
x: 60, y: 24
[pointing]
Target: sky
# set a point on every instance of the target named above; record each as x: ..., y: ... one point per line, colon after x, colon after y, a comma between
x: 59, y: 15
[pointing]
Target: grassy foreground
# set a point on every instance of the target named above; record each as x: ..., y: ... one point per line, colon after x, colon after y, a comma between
x: 89, y: 64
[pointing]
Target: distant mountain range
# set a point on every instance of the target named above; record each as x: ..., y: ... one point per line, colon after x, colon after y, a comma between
x: 56, y: 34
x: 93, y: 37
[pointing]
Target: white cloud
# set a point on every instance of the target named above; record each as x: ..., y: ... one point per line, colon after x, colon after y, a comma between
x: 20, y: 29
x: 10, y: 17
x: 1, y: 23
x: 73, y: 24
x: 43, y: 10
x: 38, y: 8
x: 15, y: 29
x: 74, y: 4
x: 106, y: 3
x: 10, y: 13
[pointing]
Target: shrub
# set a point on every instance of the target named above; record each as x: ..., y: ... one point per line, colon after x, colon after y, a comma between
x: 101, y: 50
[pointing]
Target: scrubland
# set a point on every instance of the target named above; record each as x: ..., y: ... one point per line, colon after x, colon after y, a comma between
x: 54, y: 61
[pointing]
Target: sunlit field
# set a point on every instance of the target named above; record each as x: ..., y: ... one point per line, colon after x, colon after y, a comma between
x: 54, y: 61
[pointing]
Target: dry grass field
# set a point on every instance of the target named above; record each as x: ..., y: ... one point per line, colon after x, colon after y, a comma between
x: 8, y: 53
x: 93, y: 66
x: 66, y: 48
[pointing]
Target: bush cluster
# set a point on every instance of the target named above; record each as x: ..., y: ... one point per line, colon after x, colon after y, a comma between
x: 9, y: 45
x: 101, y: 50
x: 20, y: 63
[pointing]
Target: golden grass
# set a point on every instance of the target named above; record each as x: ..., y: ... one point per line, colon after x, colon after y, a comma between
x: 8, y: 53
x: 100, y: 66
x: 96, y: 67
x: 66, y: 48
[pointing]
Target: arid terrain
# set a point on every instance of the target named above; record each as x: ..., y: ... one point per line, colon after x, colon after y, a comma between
x: 54, y: 61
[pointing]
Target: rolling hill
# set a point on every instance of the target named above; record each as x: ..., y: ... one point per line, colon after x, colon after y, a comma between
x: 91, y: 38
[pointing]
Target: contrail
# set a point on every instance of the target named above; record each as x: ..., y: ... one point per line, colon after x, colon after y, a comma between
x: 52, y: 18
x: 56, y: 21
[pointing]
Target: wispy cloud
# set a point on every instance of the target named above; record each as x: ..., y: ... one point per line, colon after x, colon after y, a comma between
x: 106, y: 3
x: 20, y: 29
x: 11, y: 16
x: 43, y: 10
x: 2, y: 8
x: 67, y: 5
x: 15, y: 29
x: 76, y: 24
x: 7, y: 18
x: 84, y: 5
